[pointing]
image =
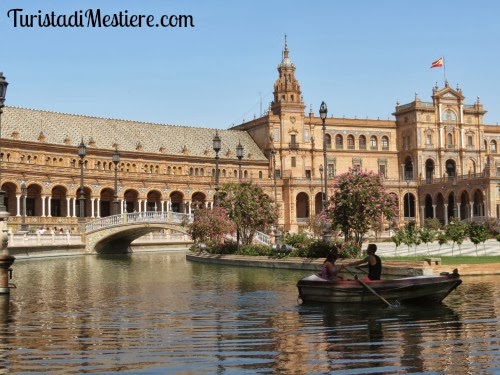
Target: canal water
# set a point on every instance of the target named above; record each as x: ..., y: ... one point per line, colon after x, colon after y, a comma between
x: 157, y: 313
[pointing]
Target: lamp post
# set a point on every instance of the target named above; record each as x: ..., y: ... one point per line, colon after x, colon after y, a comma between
x: 277, y: 234
x: 116, y: 160
x: 82, y: 151
x: 239, y: 155
x: 321, y: 178
x: 216, y: 146
x: 323, y: 111
x: 24, y: 191
x: 3, y: 91
x: 6, y: 260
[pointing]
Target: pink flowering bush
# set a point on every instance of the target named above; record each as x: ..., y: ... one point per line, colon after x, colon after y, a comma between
x: 359, y: 203
x: 211, y: 225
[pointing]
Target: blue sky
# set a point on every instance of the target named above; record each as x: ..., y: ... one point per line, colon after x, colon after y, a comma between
x: 360, y: 57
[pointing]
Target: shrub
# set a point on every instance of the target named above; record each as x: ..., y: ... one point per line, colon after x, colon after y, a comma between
x: 318, y: 249
x: 432, y: 223
x: 255, y: 250
x: 298, y: 240
x: 350, y: 250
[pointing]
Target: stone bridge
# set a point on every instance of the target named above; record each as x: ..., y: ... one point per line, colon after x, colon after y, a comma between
x: 113, y: 234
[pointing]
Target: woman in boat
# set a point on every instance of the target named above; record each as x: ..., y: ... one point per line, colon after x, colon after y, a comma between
x: 329, y: 270
x: 373, y: 261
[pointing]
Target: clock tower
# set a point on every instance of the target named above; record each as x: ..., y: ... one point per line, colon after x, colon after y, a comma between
x: 287, y: 94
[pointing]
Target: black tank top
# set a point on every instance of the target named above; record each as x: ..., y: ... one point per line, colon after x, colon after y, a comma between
x: 375, y: 271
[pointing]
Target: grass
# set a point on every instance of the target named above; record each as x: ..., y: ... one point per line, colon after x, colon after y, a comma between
x: 453, y: 260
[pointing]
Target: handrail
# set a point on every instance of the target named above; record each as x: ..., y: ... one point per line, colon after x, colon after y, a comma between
x: 138, y: 217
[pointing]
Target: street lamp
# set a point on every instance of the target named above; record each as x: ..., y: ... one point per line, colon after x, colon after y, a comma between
x: 3, y: 91
x: 82, y: 151
x: 323, y: 111
x: 116, y: 160
x: 24, y: 191
x: 277, y: 235
x: 216, y: 146
x: 6, y: 260
x: 321, y: 178
x: 239, y: 155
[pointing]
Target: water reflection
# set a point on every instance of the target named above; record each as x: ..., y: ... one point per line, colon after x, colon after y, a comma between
x: 157, y: 313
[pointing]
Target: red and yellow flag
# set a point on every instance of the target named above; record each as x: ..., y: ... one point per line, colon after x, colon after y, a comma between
x: 438, y: 63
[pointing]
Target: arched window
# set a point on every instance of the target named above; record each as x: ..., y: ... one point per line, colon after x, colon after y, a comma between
x: 350, y: 142
x: 373, y: 143
x: 339, y: 142
x: 362, y: 142
x: 385, y: 143
x: 493, y: 147
x: 449, y: 116
x: 328, y: 141
x: 260, y: 175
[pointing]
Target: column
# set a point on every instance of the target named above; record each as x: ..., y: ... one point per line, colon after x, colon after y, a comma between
x: 139, y: 203
x: 189, y: 206
x: 43, y: 206
x: 434, y: 210
x: 471, y: 210
x: 446, y: 214
x: 92, y: 207
x: 74, y: 207
x: 122, y: 206
x: 162, y: 205
x: 458, y: 211
x: 99, y: 207
x: 68, y: 207
x: 422, y: 215
x: 18, y: 200
x: 49, y: 206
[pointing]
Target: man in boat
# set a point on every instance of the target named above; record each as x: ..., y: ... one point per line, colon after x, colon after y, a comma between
x: 373, y: 261
x: 329, y: 270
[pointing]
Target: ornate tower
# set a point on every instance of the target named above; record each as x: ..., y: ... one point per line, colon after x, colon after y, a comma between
x: 287, y: 94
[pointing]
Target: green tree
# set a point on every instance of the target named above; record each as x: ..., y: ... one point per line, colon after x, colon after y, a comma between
x: 456, y: 231
x: 478, y: 232
x: 427, y: 235
x: 398, y: 239
x: 210, y: 225
x: 248, y: 207
x: 411, y: 236
x: 358, y: 204
x: 442, y: 239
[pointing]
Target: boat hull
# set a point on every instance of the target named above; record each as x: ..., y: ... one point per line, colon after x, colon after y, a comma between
x: 419, y: 289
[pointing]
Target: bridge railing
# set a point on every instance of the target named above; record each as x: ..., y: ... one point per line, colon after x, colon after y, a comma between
x: 138, y: 217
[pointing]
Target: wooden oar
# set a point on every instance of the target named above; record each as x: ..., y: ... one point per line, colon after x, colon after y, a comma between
x: 370, y: 288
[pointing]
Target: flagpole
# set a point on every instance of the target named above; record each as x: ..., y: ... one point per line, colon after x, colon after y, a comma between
x: 444, y: 71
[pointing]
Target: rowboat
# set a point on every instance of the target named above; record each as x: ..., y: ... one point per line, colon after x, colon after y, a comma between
x: 417, y: 289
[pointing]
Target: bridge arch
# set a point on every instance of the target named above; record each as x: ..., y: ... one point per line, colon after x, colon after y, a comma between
x: 114, y: 234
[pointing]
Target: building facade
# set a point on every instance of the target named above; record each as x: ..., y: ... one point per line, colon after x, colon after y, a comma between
x: 437, y: 157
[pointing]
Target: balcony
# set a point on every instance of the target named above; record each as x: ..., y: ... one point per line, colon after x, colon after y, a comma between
x: 293, y: 145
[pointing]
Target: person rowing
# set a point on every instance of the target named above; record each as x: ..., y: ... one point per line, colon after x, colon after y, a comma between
x: 374, y: 263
